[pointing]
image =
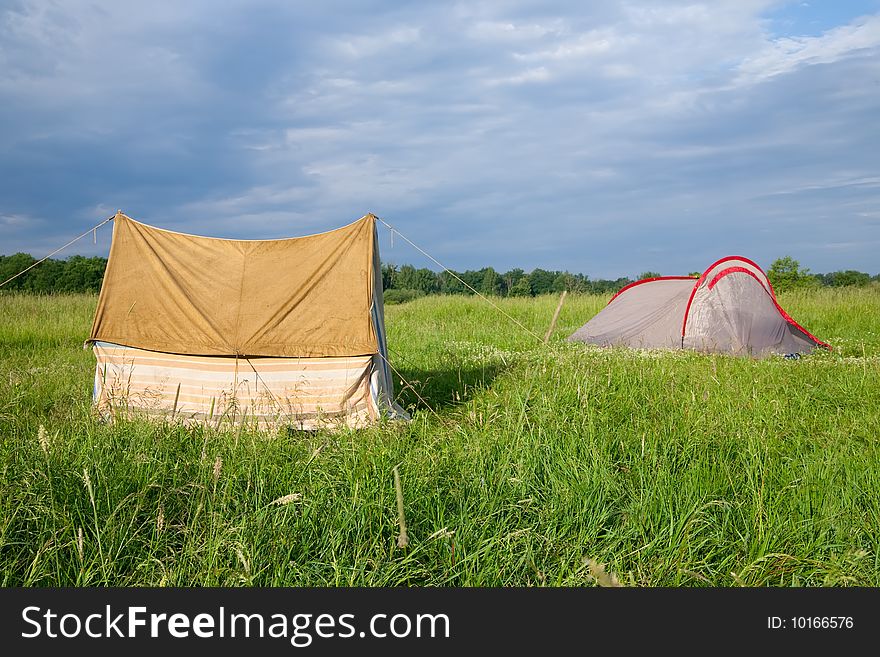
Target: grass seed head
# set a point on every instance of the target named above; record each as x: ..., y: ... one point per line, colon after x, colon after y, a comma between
x: 244, y: 560
x: 600, y: 575
x: 441, y: 533
x: 287, y: 499
x: 43, y: 438
x: 218, y: 467
x: 87, y: 480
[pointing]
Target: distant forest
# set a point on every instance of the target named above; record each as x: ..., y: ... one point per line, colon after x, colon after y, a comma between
x: 405, y: 282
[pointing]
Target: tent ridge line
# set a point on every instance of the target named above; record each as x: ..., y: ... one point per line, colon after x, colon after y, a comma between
x: 235, y: 239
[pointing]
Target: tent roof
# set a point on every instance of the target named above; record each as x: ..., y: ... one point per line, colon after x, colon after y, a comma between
x: 297, y: 297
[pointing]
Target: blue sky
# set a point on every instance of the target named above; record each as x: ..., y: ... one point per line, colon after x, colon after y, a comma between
x: 606, y: 137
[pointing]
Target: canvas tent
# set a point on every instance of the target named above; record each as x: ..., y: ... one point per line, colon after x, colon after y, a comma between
x: 731, y: 308
x: 285, y: 332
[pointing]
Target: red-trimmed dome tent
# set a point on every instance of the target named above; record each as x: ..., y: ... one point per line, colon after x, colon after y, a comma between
x: 730, y: 309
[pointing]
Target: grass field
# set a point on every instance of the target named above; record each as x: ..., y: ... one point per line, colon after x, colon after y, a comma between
x: 673, y: 469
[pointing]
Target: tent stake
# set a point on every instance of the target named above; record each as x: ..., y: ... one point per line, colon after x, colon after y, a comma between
x: 555, y: 317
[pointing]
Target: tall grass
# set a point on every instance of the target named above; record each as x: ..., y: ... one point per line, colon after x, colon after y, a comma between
x: 673, y: 469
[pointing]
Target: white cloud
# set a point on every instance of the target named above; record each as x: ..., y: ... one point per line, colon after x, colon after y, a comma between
x: 508, y: 32
x: 592, y: 44
x: 785, y: 54
x: 370, y: 45
x: 537, y: 74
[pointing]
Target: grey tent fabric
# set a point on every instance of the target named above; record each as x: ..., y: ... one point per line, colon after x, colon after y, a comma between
x: 731, y: 309
x: 645, y: 316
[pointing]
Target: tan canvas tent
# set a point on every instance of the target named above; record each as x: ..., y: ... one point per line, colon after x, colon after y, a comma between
x: 731, y: 308
x: 285, y: 332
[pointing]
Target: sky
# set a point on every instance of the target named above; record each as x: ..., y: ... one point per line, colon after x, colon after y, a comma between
x: 607, y: 138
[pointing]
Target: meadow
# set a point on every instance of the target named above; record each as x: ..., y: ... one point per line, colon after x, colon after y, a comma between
x: 524, y: 465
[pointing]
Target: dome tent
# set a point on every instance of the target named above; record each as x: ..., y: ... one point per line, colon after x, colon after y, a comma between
x: 731, y: 308
x: 284, y: 332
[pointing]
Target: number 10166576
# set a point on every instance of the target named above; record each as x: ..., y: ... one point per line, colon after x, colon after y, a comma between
x: 810, y: 623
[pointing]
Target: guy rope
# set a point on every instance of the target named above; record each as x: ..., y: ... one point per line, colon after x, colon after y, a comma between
x: 93, y: 229
x: 463, y: 282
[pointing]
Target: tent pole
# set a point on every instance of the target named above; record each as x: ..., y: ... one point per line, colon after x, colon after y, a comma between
x: 555, y: 317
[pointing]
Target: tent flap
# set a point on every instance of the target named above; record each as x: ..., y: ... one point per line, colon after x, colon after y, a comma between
x: 302, y: 393
x: 299, y: 297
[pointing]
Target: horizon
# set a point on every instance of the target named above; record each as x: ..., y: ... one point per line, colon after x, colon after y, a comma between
x: 596, y: 278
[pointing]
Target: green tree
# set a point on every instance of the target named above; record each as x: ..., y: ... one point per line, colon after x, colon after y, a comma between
x: 577, y: 282
x: 786, y: 273
x: 491, y: 283
x: 12, y: 265
x: 389, y: 276
x: 617, y: 285
x: 81, y: 274
x: 474, y: 280
x: 542, y: 281
x: 44, y: 278
x: 848, y: 277
x: 511, y: 278
x: 521, y: 288
x: 648, y: 274
x: 410, y: 278
x: 560, y: 281
x: 449, y: 284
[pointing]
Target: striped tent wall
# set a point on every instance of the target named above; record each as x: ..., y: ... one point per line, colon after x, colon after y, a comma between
x: 267, y: 393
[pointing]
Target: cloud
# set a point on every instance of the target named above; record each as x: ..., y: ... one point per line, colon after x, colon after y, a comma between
x: 786, y: 54
x: 509, y: 32
x: 358, y: 46
x: 537, y: 74
x: 608, y: 137
x: 13, y: 221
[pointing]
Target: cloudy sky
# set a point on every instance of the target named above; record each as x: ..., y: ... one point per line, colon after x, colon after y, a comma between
x: 601, y: 137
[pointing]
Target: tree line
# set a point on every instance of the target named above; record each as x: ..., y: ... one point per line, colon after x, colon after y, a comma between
x: 406, y: 282
x: 402, y: 283
x: 73, y: 274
